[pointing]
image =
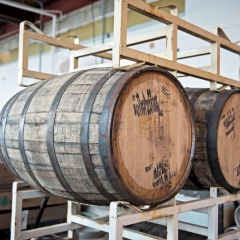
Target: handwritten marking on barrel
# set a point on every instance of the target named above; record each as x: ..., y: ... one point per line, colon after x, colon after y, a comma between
x: 146, y: 105
x: 166, y: 92
x: 228, y: 119
x: 237, y: 170
x: 161, y: 172
x: 148, y: 168
x: 162, y: 175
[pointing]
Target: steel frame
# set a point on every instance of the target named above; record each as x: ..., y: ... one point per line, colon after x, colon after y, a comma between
x: 123, y: 214
x: 121, y: 50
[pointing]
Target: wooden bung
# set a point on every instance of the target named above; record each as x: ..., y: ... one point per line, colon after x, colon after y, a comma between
x: 217, y: 153
x: 98, y: 136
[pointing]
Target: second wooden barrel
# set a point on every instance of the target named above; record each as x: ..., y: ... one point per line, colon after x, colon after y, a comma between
x: 98, y: 136
x: 217, y: 153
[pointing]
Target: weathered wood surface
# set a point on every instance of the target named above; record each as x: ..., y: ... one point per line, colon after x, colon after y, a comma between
x: 152, y: 145
x: 98, y: 136
x: 217, y: 153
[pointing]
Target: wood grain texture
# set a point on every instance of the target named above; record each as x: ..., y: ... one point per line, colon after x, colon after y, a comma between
x: 152, y: 136
x: 143, y: 114
x: 217, y: 155
x: 228, y: 140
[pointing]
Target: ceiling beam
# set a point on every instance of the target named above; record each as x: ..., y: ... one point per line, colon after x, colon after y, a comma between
x: 10, y: 19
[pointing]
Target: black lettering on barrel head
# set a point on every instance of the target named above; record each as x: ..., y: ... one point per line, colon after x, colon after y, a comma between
x: 237, y: 169
x: 223, y: 116
x: 146, y: 106
x: 149, y: 93
x: 229, y: 121
x: 237, y: 172
x: 162, y: 175
x: 148, y: 168
x: 165, y: 92
x: 137, y: 96
x: 229, y: 131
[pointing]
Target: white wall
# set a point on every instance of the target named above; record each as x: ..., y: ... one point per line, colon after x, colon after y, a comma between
x: 206, y: 14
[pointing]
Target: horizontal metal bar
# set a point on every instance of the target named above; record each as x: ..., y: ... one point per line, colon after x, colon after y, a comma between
x: 135, y: 235
x: 85, y: 221
x: 26, y: 7
x: 103, y: 226
x: 206, y: 68
x: 60, y: 43
x: 43, y: 231
x: 193, y: 228
x: 124, y: 63
x: 187, y: 54
x: 135, y: 55
x: 101, y: 65
x: 184, y: 226
x: 25, y: 194
x: 146, y: 37
x: 162, y: 16
x: 34, y: 74
x: 52, y: 41
x: 93, y: 50
x: 138, y: 39
x: 133, y: 218
x: 194, y: 53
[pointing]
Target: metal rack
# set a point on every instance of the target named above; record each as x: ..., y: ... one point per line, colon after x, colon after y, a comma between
x: 123, y: 57
x: 122, y: 214
x: 119, y: 51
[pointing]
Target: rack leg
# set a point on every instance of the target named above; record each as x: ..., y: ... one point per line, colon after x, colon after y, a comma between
x: 116, y: 227
x: 213, y: 217
x: 172, y: 227
x: 16, y: 219
x: 73, y: 209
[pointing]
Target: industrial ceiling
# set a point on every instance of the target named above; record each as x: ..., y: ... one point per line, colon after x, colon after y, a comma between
x: 11, y: 16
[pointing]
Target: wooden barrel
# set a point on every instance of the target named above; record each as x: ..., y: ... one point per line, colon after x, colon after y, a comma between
x: 97, y: 136
x: 217, y: 153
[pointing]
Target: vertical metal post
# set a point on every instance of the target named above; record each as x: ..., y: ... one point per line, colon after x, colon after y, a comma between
x: 116, y: 227
x: 22, y: 53
x: 70, y: 211
x: 215, y: 63
x: 73, y: 61
x: 171, y: 36
x: 171, y: 51
x: 16, y: 219
x: 213, y: 217
x: 73, y: 208
x: 172, y: 222
x: 54, y: 21
x: 103, y: 21
x: 120, y: 30
x: 171, y: 42
x: 172, y: 227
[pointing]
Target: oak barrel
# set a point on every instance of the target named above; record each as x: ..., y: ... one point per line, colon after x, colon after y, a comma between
x: 217, y: 153
x: 98, y: 136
